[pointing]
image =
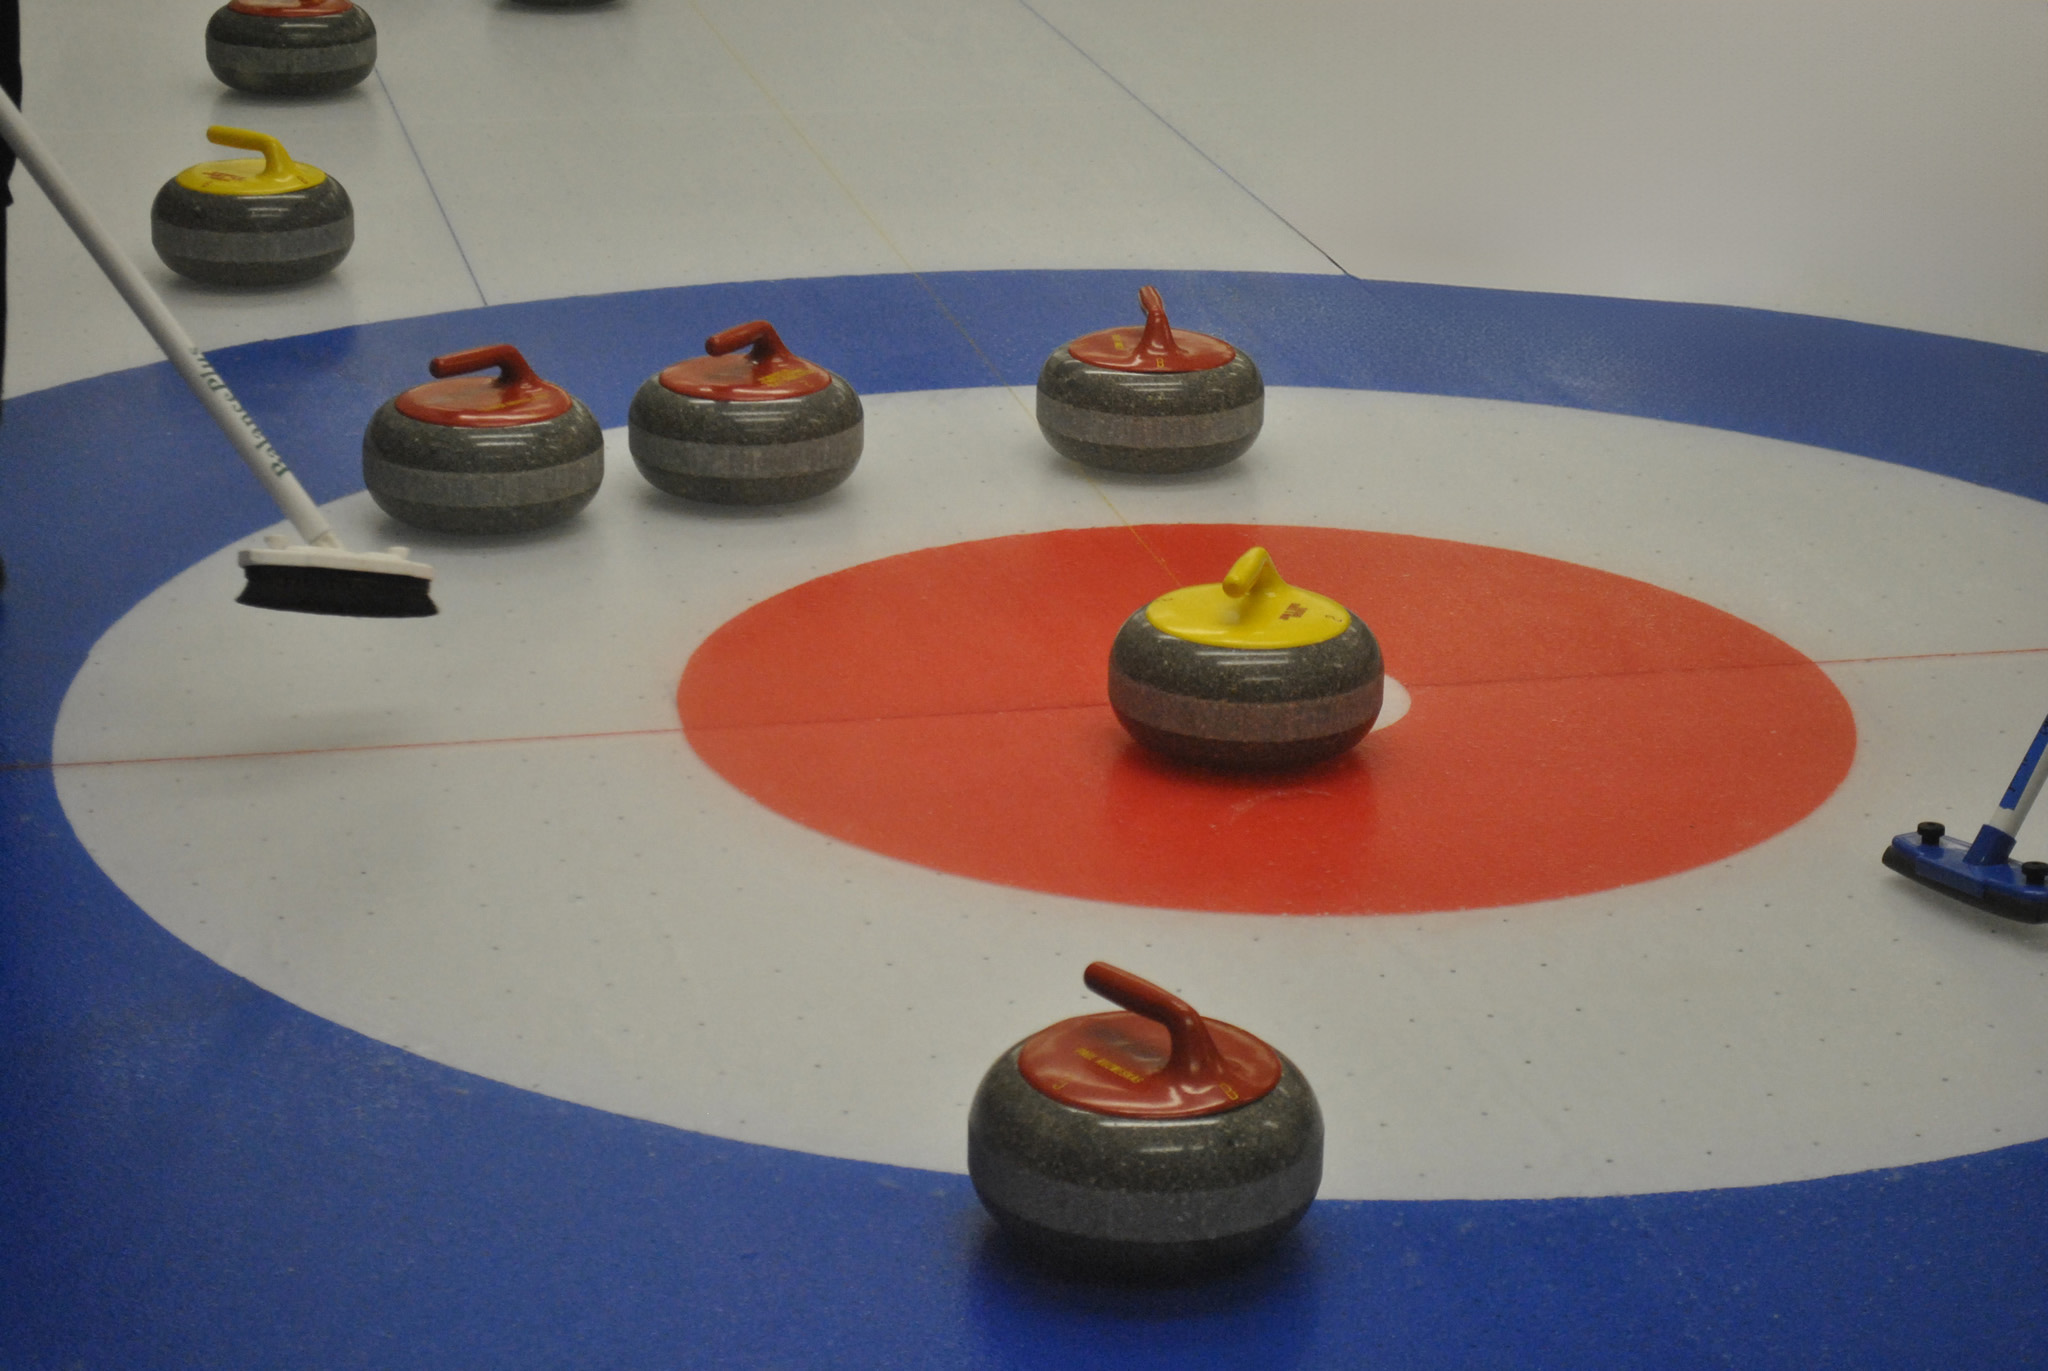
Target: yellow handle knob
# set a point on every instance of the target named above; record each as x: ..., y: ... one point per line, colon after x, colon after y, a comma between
x: 1252, y: 572
x: 276, y: 161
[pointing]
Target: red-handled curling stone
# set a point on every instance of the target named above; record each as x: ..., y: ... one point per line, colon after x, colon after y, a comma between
x: 291, y: 47
x: 1153, y: 398
x: 471, y: 453
x: 1149, y: 1143
x: 749, y: 423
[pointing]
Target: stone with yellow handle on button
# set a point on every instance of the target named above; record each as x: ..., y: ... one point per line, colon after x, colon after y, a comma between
x: 1246, y: 674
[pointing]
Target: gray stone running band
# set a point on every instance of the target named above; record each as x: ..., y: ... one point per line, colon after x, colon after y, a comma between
x: 214, y: 245
x: 829, y: 453
x: 292, y: 61
x: 1281, y: 721
x: 1146, y: 430
x: 1149, y: 1216
x: 483, y: 489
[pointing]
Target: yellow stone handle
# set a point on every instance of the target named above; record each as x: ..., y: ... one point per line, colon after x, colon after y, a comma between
x: 1252, y: 607
x: 277, y: 163
x: 1256, y: 589
x: 1253, y: 572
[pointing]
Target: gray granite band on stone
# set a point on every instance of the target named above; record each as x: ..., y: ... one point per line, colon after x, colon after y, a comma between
x: 1243, y: 721
x: 232, y: 26
x: 659, y: 411
x: 304, y: 61
x: 314, y: 206
x: 1087, y: 1211
x: 1150, y: 430
x: 1071, y: 381
x: 483, y: 489
x: 400, y: 439
x: 831, y: 452
x: 216, y: 245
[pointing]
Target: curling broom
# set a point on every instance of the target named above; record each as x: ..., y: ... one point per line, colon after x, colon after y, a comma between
x: 318, y: 577
x: 1982, y: 872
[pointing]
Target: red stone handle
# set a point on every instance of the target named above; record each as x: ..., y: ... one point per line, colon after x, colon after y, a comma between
x: 769, y: 354
x: 515, y: 378
x: 1157, y: 340
x: 1195, y: 1063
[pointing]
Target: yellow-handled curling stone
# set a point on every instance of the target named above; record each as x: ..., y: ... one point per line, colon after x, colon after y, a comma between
x: 1151, y: 399
x: 264, y: 221
x: 291, y: 47
x: 1249, y: 674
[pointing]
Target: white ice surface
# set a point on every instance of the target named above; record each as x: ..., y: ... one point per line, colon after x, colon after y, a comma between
x: 1881, y: 160
x: 481, y: 836
x: 1884, y: 160
x: 504, y: 153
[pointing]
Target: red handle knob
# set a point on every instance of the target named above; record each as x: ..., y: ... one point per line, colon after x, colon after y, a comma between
x: 1194, y: 1061
x: 768, y: 354
x: 514, y: 374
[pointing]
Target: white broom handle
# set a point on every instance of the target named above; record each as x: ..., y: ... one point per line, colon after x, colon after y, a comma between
x: 183, y: 353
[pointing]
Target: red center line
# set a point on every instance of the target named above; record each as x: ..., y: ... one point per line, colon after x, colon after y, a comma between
x: 1932, y: 656
x: 677, y: 729
x: 351, y: 747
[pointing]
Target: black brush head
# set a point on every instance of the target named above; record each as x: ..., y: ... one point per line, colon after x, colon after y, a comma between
x: 331, y: 590
x: 1994, y: 900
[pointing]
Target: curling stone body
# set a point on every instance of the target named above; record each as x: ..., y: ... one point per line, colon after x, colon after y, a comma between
x: 1154, y: 401
x: 1150, y: 424
x: 1245, y: 708
x: 745, y: 452
x: 302, y: 47
x: 478, y: 455
x: 1160, y: 1197
x: 1148, y: 1144
x: 761, y: 428
x: 1290, y: 679
x: 250, y: 223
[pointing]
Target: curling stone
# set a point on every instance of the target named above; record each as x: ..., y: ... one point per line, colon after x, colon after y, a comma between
x: 291, y: 47
x: 1154, y: 400
x: 745, y: 430
x: 251, y: 223
x: 1151, y: 1143
x: 477, y: 454
x: 1251, y: 674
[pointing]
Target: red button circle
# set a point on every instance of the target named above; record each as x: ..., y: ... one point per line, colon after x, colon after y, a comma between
x: 1571, y: 731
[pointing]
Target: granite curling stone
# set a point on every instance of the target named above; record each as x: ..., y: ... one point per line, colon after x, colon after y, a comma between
x: 291, y: 47
x: 479, y: 454
x: 753, y: 429
x: 1149, y: 1144
x: 1252, y: 674
x: 252, y: 223
x: 1155, y: 400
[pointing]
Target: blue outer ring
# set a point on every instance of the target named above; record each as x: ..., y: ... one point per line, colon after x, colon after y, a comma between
x: 195, y: 1173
